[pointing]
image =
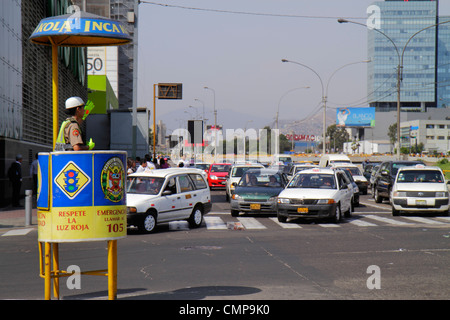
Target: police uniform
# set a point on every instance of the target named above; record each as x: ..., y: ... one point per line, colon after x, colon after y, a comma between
x: 70, y: 133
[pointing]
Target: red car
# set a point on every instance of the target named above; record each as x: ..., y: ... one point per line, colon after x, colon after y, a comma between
x: 217, y: 175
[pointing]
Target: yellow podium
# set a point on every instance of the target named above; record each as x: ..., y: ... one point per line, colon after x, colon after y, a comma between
x: 81, y: 197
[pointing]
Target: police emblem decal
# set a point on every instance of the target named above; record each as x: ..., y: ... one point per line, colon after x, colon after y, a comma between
x: 113, y: 179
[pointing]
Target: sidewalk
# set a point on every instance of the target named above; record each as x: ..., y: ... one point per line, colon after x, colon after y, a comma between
x: 11, y: 217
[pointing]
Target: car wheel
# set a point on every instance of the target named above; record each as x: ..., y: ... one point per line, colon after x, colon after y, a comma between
x: 281, y: 218
x: 148, y: 222
x: 234, y: 213
x: 227, y: 197
x: 196, y: 218
x: 337, y: 215
x: 349, y: 213
x: 395, y: 212
x: 377, y: 197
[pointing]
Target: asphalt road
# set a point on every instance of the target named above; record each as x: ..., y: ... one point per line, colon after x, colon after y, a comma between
x: 371, y: 256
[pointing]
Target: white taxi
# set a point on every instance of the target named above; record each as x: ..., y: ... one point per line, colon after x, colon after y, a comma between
x: 236, y: 173
x: 420, y: 188
x: 359, y: 178
x: 316, y: 193
x: 165, y: 195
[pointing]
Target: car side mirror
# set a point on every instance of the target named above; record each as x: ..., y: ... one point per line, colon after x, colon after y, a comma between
x: 234, y: 184
x: 167, y: 193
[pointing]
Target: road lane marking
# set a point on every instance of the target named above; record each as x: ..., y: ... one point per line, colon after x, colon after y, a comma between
x: 17, y: 232
x: 251, y: 223
x: 286, y: 225
x: 387, y: 220
x: 215, y: 223
x: 424, y: 220
x: 361, y: 223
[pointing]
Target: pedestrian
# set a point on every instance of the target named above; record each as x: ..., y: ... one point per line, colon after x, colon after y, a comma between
x: 131, y: 166
x: 142, y: 167
x: 163, y: 164
x: 71, y: 137
x: 34, y: 172
x: 15, y: 177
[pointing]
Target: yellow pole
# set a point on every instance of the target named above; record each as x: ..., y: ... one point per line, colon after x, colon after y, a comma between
x: 55, y: 252
x: 47, y: 271
x: 112, y: 269
x: 55, y: 90
x: 154, y: 120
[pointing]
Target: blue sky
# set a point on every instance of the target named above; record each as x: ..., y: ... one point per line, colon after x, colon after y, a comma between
x: 239, y: 56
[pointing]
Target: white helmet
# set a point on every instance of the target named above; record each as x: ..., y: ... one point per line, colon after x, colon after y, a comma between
x: 73, y: 102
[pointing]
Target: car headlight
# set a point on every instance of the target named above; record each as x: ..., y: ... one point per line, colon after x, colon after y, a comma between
x: 271, y: 199
x: 325, y: 201
x: 283, y: 200
x: 442, y: 194
x: 399, y: 194
x: 213, y: 177
x: 236, y: 196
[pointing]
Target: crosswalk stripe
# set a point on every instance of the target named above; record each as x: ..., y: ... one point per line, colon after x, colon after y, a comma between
x: 215, y: 223
x: 387, y: 220
x: 424, y: 220
x: 17, y: 232
x: 251, y: 223
x: 286, y: 225
x: 362, y: 223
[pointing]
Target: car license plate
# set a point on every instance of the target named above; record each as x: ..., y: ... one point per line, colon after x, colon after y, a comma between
x: 255, y: 206
x: 421, y: 202
x: 302, y: 210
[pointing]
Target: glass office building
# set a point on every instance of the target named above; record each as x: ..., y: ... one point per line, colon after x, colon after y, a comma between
x: 443, y: 64
x: 424, y: 55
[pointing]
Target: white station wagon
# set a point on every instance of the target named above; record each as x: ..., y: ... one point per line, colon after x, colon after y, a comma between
x: 420, y: 189
x: 316, y: 193
x: 167, y: 195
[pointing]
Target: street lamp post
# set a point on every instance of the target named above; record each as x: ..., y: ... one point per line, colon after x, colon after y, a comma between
x: 324, y: 93
x: 399, y: 67
x: 215, y: 123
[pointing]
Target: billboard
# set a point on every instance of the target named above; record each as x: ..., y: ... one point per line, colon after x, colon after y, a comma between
x: 355, y: 117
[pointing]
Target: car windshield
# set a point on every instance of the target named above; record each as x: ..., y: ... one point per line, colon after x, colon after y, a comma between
x: 220, y: 167
x: 144, y: 185
x: 203, y: 166
x: 237, y: 172
x: 260, y: 179
x: 313, y: 180
x: 396, y: 166
x: 353, y: 170
x: 412, y: 176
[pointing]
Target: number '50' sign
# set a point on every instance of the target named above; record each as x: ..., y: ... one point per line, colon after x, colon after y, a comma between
x: 94, y: 65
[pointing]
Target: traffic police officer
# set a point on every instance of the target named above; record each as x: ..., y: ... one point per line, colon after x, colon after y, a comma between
x: 70, y: 135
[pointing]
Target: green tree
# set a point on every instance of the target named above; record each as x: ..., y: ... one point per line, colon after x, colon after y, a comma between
x: 338, y: 135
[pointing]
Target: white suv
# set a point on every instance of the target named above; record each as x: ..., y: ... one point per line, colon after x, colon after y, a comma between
x: 316, y: 193
x: 167, y: 195
x: 420, y: 189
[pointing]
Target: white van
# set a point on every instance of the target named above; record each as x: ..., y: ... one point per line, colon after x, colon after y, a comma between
x: 328, y: 160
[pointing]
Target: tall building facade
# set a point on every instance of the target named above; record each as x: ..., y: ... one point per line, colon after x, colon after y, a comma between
x: 423, y: 55
x: 26, y: 113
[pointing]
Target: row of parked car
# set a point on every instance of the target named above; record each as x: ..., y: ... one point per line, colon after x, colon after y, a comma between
x: 325, y: 191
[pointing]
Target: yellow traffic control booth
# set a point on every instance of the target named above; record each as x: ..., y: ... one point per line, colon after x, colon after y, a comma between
x: 81, y: 197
